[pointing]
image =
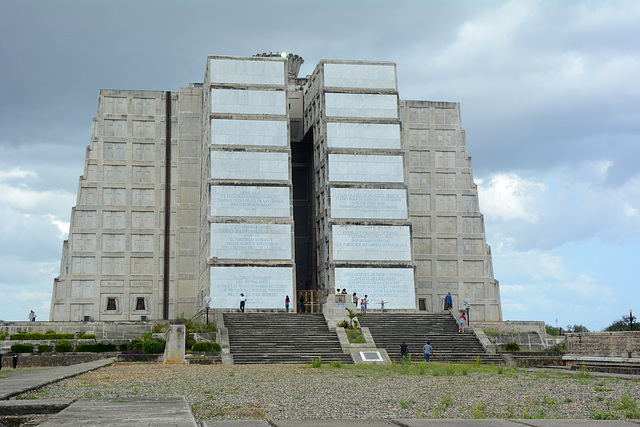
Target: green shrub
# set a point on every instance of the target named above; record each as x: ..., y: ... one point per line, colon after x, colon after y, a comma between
x: 39, y: 336
x: 3, y: 337
x: 193, y: 325
x: 189, y: 342
x: 64, y: 346
x: 43, y: 348
x: 88, y: 337
x: 96, y: 348
x: 22, y: 348
x: 317, y: 363
x: 153, y: 347
x: 343, y: 324
x: 511, y: 346
x: 355, y: 336
x: 160, y: 328
x: 206, y: 346
x: 336, y: 364
x: 135, y: 344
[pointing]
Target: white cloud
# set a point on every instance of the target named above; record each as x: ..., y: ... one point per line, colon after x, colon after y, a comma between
x: 510, y: 197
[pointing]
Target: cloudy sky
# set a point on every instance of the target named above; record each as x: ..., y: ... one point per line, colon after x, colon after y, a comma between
x: 550, y: 99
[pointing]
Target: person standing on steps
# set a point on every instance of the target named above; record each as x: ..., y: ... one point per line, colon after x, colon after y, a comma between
x: 461, y: 322
x: 428, y: 351
x: 403, y: 351
x: 448, y: 301
x: 243, y: 301
x: 302, y: 304
x: 354, y: 299
x: 286, y: 303
x: 15, y: 360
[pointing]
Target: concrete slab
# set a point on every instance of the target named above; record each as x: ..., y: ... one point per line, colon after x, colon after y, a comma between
x: 235, y: 423
x: 22, y: 383
x: 27, y: 407
x: 573, y: 423
x: 456, y: 423
x: 142, y: 411
x: 332, y: 423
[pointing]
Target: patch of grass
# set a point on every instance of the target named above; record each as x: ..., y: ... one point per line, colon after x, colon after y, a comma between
x: 602, y: 415
x: 479, y: 411
x: 584, y: 372
x: 355, y: 336
x: 336, y: 364
x: 628, y: 406
x: 317, y: 363
x: 602, y: 389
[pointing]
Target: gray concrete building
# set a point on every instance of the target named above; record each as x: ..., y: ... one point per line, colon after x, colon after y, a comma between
x: 260, y: 182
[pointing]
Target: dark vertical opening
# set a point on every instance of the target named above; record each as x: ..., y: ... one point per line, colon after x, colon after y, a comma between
x: 302, y: 177
x: 167, y: 208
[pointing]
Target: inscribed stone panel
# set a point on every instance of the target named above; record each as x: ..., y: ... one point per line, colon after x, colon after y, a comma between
x: 114, y: 196
x: 469, y: 204
x: 445, y: 181
x: 250, y: 201
x: 446, y: 202
x: 422, y: 246
x: 368, y: 203
x: 422, y: 225
x: 419, y: 115
x: 370, y: 242
x: 113, y: 219
x: 445, y: 159
x: 423, y: 268
x: 439, y: 116
x: 471, y: 225
x: 144, y: 106
x: 82, y: 288
x: 115, y: 127
x: 447, y: 224
x: 447, y: 268
x: 249, y: 132
x: 143, y: 174
x: 112, y: 283
x: 463, y: 181
x: 447, y: 246
x: 142, y: 242
x: 143, y: 219
x: 420, y: 203
x: 144, y: 129
x: 143, y: 197
x: 249, y: 165
x: 92, y: 172
x: 83, y: 242
x: 141, y: 265
x: 115, y: 151
x: 113, y: 266
x: 361, y: 105
x: 393, y: 285
x: 472, y: 246
x: 251, y: 241
x: 475, y: 290
x: 87, y: 196
x: 113, y: 242
x: 419, y: 180
x: 144, y: 152
x: 264, y: 287
x: 363, y: 135
x: 78, y: 312
x: 419, y: 159
x: 231, y: 101
x: 447, y: 285
x: 83, y: 265
x: 362, y: 76
x: 445, y: 138
x: 115, y: 105
x: 365, y: 168
x: 262, y: 72
x: 473, y: 268
x: 85, y: 219
x: 115, y: 173
x: 418, y: 136
x: 451, y: 116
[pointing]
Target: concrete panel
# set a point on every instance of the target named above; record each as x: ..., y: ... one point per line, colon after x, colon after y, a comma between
x: 363, y: 135
x: 249, y: 165
x: 361, y: 105
x: 246, y: 72
x: 393, y: 285
x: 229, y: 101
x: 249, y: 132
x: 264, y: 287
x: 371, y: 242
x: 250, y: 201
x: 362, y: 76
x: 368, y: 203
x: 365, y: 168
x: 251, y: 241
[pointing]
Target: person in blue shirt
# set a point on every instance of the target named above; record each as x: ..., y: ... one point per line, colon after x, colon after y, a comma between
x: 448, y: 301
x: 428, y: 351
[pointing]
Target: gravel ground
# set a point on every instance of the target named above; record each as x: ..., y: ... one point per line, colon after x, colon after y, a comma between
x: 360, y: 392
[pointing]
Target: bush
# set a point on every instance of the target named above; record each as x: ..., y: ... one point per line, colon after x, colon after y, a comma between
x: 64, y: 346
x: 206, y: 346
x: 88, y: 337
x: 3, y: 337
x: 192, y: 325
x: 317, y: 363
x: 153, y: 347
x: 43, y: 348
x: 96, y: 348
x: 343, y: 324
x: 511, y: 346
x: 39, y: 336
x: 22, y: 348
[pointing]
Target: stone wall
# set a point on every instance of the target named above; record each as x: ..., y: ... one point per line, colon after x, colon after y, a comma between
x: 102, y: 330
x: 603, y: 344
x: 34, y: 360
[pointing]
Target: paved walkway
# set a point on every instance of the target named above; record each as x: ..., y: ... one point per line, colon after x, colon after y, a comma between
x: 175, y: 411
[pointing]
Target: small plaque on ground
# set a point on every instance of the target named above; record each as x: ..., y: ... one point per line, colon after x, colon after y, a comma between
x: 371, y: 356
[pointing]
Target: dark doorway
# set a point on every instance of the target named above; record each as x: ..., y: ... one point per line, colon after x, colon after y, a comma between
x: 301, y: 173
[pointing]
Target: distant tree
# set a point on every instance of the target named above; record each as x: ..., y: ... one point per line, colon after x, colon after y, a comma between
x: 576, y: 329
x: 621, y: 324
x: 551, y: 330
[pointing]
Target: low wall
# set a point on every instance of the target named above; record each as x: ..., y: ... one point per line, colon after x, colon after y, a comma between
x: 526, y: 341
x: 102, y: 330
x: 624, y: 345
x: 35, y: 360
x: 510, y: 326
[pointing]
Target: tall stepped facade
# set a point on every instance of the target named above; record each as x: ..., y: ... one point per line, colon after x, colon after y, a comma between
x: 261, y: 182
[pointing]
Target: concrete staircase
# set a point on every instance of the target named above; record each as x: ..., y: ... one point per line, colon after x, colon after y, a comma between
x: 281, y: 338
x: 390, y: 329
